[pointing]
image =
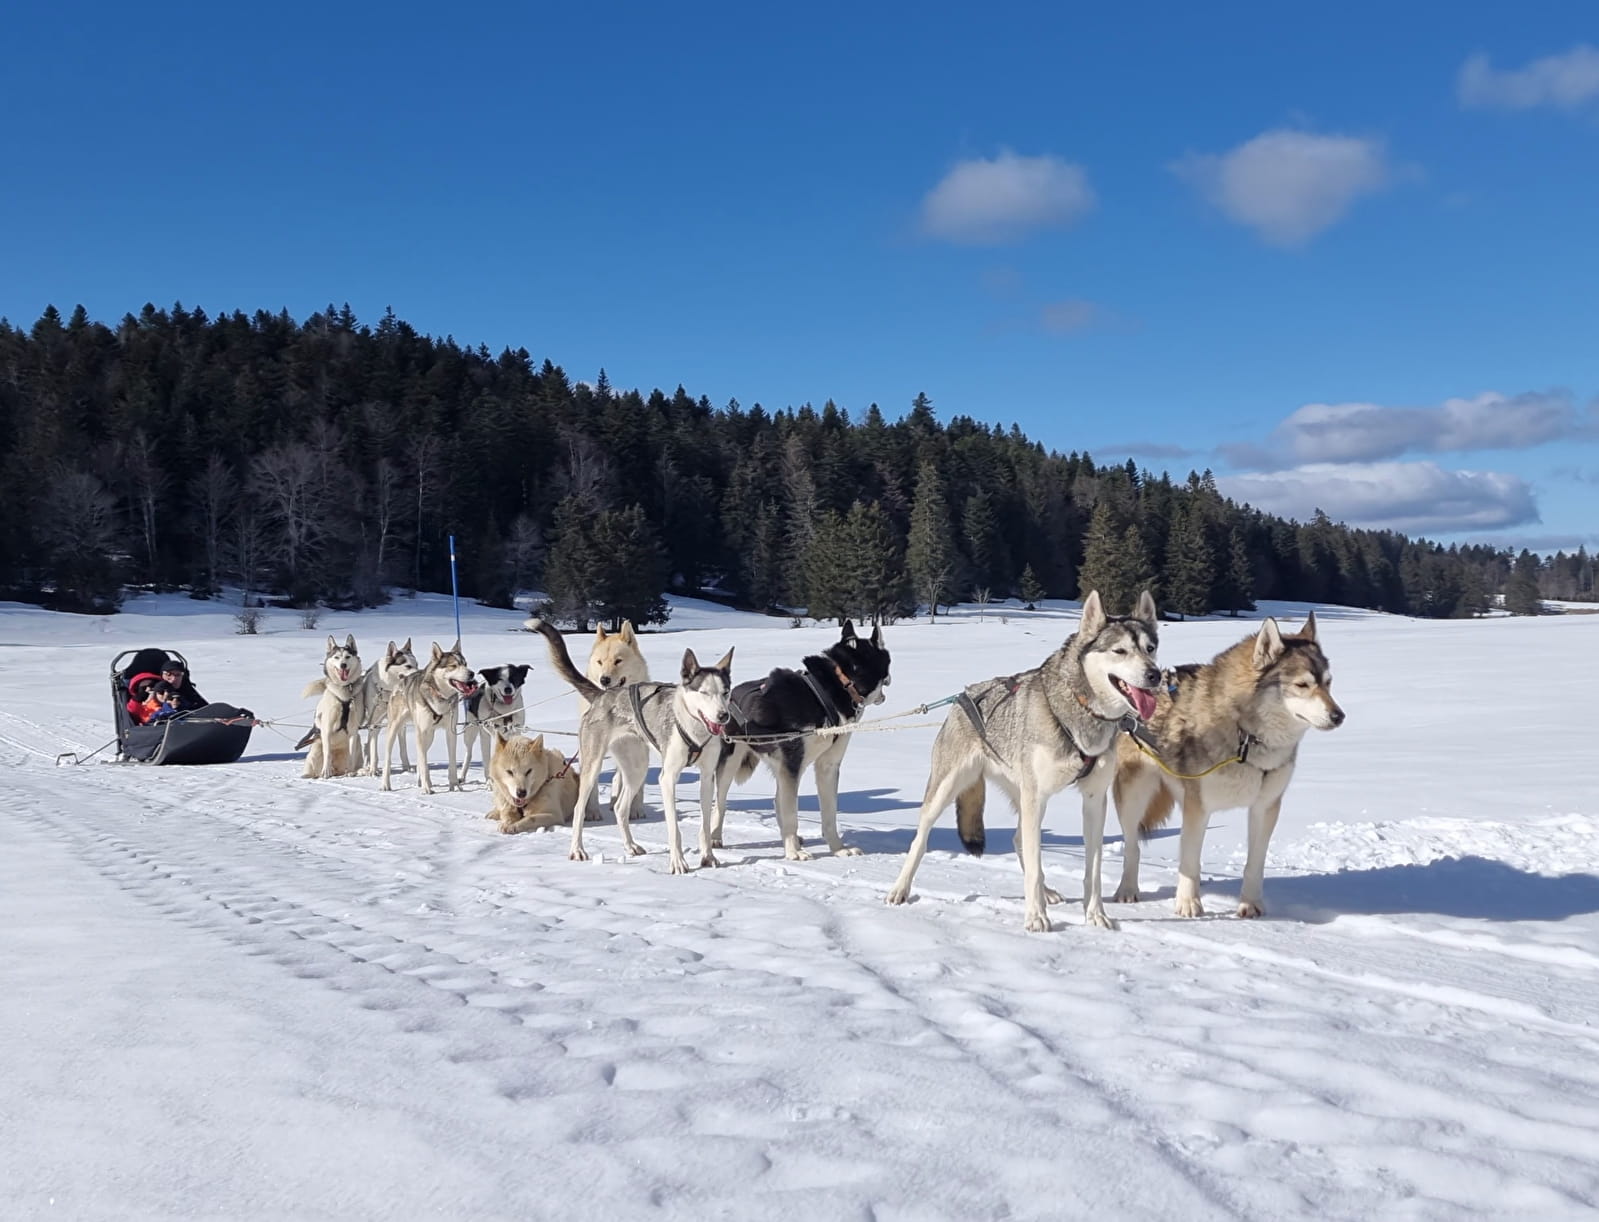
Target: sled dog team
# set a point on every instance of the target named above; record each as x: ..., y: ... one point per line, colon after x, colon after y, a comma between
x: 1098, y: 713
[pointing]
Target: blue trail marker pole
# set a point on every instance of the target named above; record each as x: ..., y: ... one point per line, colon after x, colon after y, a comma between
x: 455, y: 595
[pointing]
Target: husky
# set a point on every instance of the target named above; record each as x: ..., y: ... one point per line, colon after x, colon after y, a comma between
x: 1036, y: 733
x: 680, y: 721
x: 335, y: 734
x: 380, y: 678
x: 494, y: 711
x: 533, y: 785
x: 427, y: 700
x: 615, y: 660
x: 1249, y: 706
x: 832, y: 688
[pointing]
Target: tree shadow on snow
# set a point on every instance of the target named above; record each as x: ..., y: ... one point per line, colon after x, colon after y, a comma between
x: 853, y: 802
x: 1476, y: 888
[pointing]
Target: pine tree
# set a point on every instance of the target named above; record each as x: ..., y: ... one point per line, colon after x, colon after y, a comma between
x: 853, y: 567
x: 630, y: 569
x: 1236, y: 588
x: 1521, y: 591
x: 1031, y: 589
x: 571, y: 572
x: 929, y: 554
x: 1190, y: 571
x: 1101, y: 554
x: 983, y: 546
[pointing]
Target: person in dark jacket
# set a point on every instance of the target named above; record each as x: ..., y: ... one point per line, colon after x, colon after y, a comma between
x: 187, y: 698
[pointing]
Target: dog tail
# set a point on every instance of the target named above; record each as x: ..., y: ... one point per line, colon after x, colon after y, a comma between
x: 562, y: 661
x: 311, y: 736
x: 1135, y: 782
x: 1158, y: 811
x: 969, y: 816
x: 313, y: 688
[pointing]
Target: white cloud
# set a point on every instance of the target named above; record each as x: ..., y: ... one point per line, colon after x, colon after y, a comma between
x: 1365, y: 432
x: 1413, y: 498
x: 1288, y: 185
x: 1565, y: 81
x: 1065, y: 317
x: 986, y: 202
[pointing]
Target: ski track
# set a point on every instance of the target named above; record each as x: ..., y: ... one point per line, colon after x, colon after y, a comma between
x: 770, y: 1040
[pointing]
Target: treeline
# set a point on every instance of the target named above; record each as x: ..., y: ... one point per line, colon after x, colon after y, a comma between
x: 327, y: 461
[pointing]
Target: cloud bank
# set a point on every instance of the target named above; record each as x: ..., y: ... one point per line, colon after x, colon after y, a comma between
x: 1415, y: 498
x: 1563, y: 81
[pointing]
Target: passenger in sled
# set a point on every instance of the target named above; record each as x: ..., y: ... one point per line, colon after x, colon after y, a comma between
x: 162, y: 719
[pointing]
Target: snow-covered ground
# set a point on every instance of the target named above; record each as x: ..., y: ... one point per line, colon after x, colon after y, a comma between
x: 232, y: 993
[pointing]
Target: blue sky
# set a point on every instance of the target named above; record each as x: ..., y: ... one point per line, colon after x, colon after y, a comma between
x: 1347, y: 258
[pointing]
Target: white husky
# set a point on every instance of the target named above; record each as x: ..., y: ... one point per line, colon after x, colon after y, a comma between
x: 335, y: 738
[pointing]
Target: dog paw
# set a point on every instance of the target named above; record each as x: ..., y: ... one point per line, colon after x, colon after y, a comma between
x: 898, y: 895
x: 1190, y: 907
x: 1051, y: 896
x: 635, y: 850
x: 798, y: 854
x: 577, y: 855
x: 1037, y: 922
x: 1098, y: 919
x: 847, y: 850
x: 1249, y: 910
x: 708, y: 862
x: 1125, y: 895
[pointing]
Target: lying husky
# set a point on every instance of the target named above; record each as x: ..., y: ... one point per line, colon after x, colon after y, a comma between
x: 335, y: 734
x: 1250, y: 705
x: 533, y: 785
x: 678, y: 720
x: 427, y: 700
x: 832, y: 688
x: 1036, y: 733
x: 494, y: 711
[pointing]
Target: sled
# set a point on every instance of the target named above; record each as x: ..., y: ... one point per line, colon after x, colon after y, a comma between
x: 212, y: 734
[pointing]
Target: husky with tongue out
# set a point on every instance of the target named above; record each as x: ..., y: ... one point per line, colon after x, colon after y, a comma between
x: 1036, y: 733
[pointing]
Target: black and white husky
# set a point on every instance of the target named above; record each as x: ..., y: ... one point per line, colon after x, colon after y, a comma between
x: 494, y: 711
x: 773, y: 720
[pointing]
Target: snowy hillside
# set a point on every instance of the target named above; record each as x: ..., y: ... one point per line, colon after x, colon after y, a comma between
x: 233, y: 993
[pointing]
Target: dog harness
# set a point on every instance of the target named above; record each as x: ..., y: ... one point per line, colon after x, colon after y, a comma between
x: 695, y: 750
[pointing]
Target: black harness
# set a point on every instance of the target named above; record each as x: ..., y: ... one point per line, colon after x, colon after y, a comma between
x: 695, y: 750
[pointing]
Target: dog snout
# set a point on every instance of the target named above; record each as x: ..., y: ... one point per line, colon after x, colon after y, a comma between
x: 605, y: 680
x: 1152, y: 677
x: 1336, y: 716
x: 521, y: 795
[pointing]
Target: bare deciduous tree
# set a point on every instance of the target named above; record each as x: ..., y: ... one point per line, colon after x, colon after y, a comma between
x: 288, y: 482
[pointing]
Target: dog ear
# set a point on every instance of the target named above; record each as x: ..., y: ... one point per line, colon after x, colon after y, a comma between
x: 877, y: 636
x: 628, y: 633
x: 1268, y: 644
x: 332, y: 644
x: 1093, y: 621
x: 847, y: 632
x: 519, y: 673
x: 437, y: 652
x: 349, y: 643
x: 537, y: 744
x: 1146, y: 609
x: 1308, y: 632
x: 727, y: 661
x: 456, y: 648
x: 691, y: 664
x: 599, y: 633
x: 392, y: 651
x: 406, y: 648
x: 491, y: 675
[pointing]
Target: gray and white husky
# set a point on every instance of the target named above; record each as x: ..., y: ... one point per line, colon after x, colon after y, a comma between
x: 428, y: 700
x: 376, y: 685
x: 777, y: 714
x: 335, y: 734
x: 680, y: 721
x: 1036, y: 733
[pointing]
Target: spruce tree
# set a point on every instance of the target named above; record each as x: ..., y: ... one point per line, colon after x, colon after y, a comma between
x: 571, y: 571
x: 1521, y: 591
x: 983, y: 545
x: 1236, y: 587
x: 1101, y: 554
x: 1190, y: 571
x: 629, y: 569
x: 1031, y: 589
x: 929, y: 553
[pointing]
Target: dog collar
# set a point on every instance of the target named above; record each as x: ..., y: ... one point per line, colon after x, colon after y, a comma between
x: 848, y: 685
